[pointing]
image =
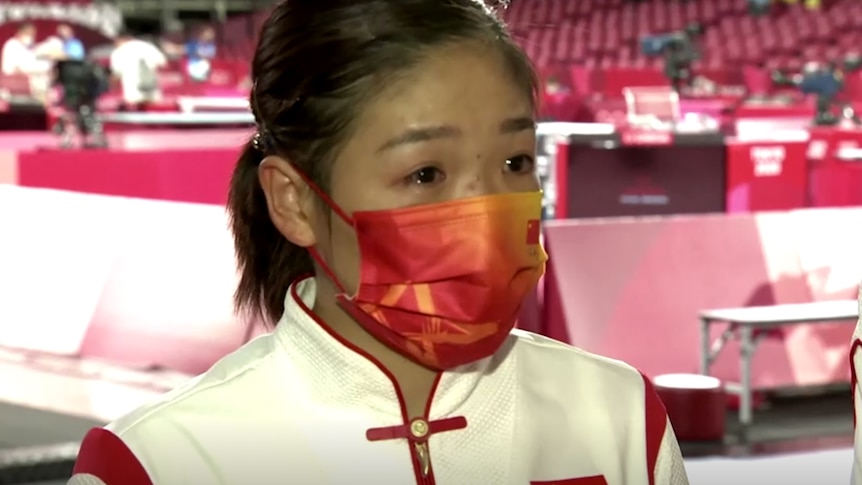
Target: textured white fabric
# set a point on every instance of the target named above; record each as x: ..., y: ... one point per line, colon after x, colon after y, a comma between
x: 856, y: 477
x: 85, y: 479
x: 670, y: 467
x: 294, y: 407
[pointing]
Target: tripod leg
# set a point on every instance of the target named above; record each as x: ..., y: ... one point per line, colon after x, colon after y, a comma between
x: 63, y: 131
x: 94, y: 128
x: 824, y: 116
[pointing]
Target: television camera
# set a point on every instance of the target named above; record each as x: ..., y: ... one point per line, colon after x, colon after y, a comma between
x: 679, y: 52
x: 82, y: 83
x: 825, y: 82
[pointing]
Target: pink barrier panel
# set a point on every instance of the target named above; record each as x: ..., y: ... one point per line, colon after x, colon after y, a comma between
x: 56, y: 251
x: 138, y: 282
x: 183, y: 175
x: 632, y: 289
x: 827, y: 247
x: 168, y: 298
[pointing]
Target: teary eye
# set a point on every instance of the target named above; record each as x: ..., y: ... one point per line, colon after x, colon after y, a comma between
x: 520, y: 164
x: 425, y: 176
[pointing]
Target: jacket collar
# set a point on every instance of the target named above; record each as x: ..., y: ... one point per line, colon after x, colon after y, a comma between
x: 337, y: 373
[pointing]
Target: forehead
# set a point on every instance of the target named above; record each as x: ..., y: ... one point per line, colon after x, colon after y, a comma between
x: 466, y: 86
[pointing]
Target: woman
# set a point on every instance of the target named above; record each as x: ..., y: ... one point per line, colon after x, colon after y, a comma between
x: 394, y: 163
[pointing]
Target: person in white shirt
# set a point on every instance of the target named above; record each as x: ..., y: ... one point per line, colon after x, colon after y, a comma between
x: 386, y: 220
x: 19, y: 52
x: 22, y: 56
x: 136, y: 62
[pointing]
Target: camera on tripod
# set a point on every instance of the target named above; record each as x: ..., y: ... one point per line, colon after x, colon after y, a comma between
x: 825, y: 82
x: 678, y: 50
x: 82, y: 83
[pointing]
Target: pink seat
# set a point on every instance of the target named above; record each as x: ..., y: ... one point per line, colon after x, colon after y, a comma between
x: 15, y: 85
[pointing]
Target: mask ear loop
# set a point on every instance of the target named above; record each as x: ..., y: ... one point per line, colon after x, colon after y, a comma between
x: 261, y: 140
x: 315, y: 255
x: 264, y: 143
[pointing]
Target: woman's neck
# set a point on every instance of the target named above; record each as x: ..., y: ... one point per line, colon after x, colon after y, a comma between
x: 415, y: 381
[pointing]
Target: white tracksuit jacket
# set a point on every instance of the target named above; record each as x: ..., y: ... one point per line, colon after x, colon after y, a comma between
x: 855, y: 373
x: 300, y: 407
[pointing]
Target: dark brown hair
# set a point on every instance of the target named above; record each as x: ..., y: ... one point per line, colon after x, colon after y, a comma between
x: 317, y: 63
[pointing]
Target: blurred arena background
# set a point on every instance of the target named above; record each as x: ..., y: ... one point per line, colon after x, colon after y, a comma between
x: 700, y: 161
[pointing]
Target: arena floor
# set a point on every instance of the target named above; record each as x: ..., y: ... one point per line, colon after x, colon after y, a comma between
x: 831, y: 467
x: 796, y: 440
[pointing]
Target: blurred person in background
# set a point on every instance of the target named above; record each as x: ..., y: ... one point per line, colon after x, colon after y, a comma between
x: 200, y: 52
x: 22, y: 56
x: 386, y: 224
x: 63, y: 46
x: 810, y: 4
x: 558, y: 103
x: 136, y: 63
x: 759, y: 8
x: 73, y: 48
x: 19, y: 52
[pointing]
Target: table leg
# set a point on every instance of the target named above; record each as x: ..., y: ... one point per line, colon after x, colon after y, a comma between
x: 705, y: 363
x: 746, y: 351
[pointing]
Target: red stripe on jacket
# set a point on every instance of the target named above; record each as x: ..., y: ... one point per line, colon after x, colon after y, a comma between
x: 656, y: 425
x: 104, y: 455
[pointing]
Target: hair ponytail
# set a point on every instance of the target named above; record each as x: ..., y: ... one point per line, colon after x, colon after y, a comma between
x: 268, y: 263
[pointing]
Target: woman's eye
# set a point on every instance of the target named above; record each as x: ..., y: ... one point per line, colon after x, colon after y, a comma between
x: 520, y: 164
x: 425, y: 176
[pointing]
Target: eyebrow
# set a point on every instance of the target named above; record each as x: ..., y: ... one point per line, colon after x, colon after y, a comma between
x: 420, y: 135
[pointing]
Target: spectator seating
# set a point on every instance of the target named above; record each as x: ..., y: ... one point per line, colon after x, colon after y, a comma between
x: 593, y: 45
x: 602, y: 36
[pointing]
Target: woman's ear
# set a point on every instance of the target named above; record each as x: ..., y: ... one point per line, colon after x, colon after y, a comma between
x: 286, y: 196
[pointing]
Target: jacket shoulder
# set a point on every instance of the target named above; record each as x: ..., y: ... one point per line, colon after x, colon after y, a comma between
x: 141, y: 438
x: 220, y: 380
x: 537, y: 354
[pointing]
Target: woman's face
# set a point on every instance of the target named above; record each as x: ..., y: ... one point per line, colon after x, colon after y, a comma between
x: 456, y: 127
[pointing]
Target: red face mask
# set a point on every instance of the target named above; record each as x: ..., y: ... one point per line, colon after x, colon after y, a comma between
x: 443, y: 283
